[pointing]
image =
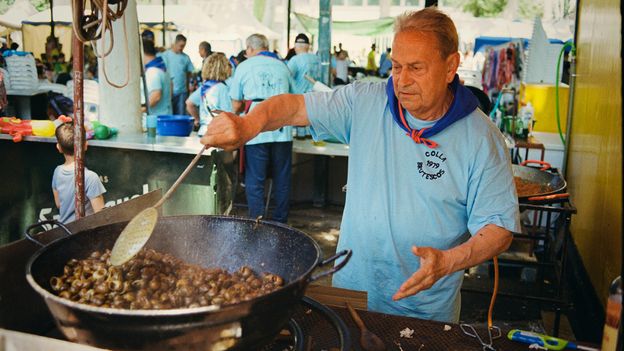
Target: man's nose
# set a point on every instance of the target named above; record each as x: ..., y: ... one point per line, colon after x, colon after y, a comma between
x: 405, y: 78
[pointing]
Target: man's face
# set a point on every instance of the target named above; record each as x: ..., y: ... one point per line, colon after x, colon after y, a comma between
x: 202, y: 53
x: 420, y: 74
x: 178, y: 46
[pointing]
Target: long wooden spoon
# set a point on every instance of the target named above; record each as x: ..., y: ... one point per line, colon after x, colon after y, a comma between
x: 368, y: 340
x: 140, y: 228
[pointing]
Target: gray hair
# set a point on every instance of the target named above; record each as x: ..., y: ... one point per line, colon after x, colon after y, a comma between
x: 431, y: 20
x: 257, y: 42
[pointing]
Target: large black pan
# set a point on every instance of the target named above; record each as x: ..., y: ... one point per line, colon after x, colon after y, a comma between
x: 551, y: 182
x: 209, y: 241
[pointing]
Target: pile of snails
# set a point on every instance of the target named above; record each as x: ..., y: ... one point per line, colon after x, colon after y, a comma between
x: 154, y: 280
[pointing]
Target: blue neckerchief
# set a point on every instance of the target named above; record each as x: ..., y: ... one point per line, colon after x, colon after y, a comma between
x: 206, y: 85
x: 158, y: 62
x: 269, y: 54
x: 464, y: 103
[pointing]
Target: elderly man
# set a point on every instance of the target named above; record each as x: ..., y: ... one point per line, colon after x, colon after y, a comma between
x: 205, y: 50
x: 430, y: 188
x: 302, y: 64
x: 180, y: 68
x: 261, y: 76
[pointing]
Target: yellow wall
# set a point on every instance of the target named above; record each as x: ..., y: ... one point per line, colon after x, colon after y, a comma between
x: 595, y: 164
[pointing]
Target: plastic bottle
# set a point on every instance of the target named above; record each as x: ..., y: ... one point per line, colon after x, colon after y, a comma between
x: 527, y: 113
x: 610, y: 340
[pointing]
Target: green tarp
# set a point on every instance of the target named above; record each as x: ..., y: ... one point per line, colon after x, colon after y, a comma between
x: 362, y: 28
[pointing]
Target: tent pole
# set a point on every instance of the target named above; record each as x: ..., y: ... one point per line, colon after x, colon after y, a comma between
x: 52, y: 18
x: 288, y: 25
x: 164, y: 25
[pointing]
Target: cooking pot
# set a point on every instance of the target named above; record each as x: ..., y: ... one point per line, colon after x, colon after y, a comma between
x: 208, y: 241
x: 551, y: 182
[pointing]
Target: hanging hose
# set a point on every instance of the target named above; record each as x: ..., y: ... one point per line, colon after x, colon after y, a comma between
x: 572, y: 52
x: 90, y: 28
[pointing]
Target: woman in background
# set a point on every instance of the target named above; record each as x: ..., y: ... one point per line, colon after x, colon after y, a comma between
x: 213, y: 94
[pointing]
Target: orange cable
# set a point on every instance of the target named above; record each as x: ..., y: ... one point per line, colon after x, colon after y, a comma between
x: 493, y: 300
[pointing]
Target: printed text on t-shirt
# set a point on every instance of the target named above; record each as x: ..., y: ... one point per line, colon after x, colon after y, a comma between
x: 432, y: 169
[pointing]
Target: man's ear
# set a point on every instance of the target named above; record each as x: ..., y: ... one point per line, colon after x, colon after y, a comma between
x: 58, y: 147
x: 452, y: 63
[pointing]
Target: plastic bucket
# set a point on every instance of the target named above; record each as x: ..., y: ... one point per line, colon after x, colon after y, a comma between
x: 174, y: 125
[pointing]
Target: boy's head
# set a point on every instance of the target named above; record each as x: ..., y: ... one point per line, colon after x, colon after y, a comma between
x: 65, y: 139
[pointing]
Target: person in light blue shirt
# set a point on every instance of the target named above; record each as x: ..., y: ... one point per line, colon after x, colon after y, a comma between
x: 214, y: 93
x: 261, y: 76
x: 302, y: 64
x: 430, y: 187
x: 157, y: 81
x: 180, y: 69
x: 385, y: 63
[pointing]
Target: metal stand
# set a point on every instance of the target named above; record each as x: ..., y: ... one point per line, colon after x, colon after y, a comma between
x: 549, y: 231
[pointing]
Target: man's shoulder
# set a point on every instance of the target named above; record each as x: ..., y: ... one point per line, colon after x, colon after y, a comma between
x: 259, y: 62
x: 479, y: 120
x: 479, y: 124
x: 309, y: 56
x: 154, y: 72
x: 370, y: 88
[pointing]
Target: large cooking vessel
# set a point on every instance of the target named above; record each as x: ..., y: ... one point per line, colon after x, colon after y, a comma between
x: 551, y: 182
x: 209, y: 241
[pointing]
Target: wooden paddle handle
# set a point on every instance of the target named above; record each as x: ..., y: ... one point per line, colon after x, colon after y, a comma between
x: 181, y: 178
x: 356, y: 317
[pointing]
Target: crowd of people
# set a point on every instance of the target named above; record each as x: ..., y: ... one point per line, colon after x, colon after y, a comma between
x: 236, y: 84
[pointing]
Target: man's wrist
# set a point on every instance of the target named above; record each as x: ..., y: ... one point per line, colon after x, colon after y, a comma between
x: 453, y: 259
x: 250, y: 128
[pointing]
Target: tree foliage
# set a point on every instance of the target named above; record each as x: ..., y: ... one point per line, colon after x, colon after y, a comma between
x: 5, y: 5
x: 41, y: 5
x: 530, y: 9
x: 484, y: 8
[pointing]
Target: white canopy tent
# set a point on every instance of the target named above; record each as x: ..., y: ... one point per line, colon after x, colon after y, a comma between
x: 224, y: 24
x: 10, y: 21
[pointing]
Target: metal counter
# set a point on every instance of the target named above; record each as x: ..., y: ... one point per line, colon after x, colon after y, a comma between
x: 136, y: 141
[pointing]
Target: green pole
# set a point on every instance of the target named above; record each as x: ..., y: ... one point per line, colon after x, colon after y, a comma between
x: 325, y: 19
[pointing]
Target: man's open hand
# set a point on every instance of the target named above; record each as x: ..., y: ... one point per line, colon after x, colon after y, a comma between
x: 434, y: 264
x: 226, y: 131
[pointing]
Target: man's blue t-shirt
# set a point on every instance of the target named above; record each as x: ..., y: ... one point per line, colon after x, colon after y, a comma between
x: 401, y: 194
x: 157, y: 79
x: 63, y: 182
x: 258, y: 78
x: 300, y: 65
x: 178, y: 65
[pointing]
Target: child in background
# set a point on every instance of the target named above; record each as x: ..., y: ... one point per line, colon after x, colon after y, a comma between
x: 63, y: 185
